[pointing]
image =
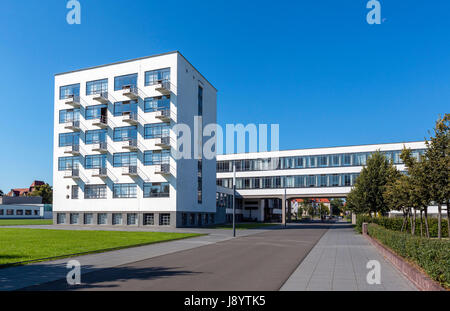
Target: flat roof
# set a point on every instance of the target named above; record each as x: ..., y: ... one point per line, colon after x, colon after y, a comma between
x: 136, y: 59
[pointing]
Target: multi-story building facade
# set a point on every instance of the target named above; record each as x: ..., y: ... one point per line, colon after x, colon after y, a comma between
x: 113, y: 139
x: 266, y: 181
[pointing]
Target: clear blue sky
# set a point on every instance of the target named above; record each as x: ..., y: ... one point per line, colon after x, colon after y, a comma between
x: 315, y: 67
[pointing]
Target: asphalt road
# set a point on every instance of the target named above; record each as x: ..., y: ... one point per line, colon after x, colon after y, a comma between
x: 257, y: 262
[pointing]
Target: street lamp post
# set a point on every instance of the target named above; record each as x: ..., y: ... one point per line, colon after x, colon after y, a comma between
x: 234, y: 199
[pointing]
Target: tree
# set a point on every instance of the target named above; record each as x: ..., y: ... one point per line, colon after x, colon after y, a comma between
x: 397, y: 197
x: 437, y: 153
x: 337, y: 206
x: 45, y: 191
x: 367, y: 194
x: 1, y: 193
x: 323, y: 210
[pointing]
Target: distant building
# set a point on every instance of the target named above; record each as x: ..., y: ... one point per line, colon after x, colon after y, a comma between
x: 23, y: 192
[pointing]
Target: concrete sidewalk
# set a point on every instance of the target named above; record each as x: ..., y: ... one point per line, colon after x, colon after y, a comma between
x: 15, y: 278
x: 338, y: 263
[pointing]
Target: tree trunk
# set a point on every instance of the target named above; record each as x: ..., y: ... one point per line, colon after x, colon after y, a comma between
x: 448, y: 218
x: 439, y: 220
x: 413, y: 223
x: 426, y: 222
x: 404, y: 221
x: 421, y: 223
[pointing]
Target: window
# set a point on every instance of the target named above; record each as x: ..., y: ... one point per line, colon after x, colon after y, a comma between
x: 156, y: 157
x: 95, y: 161
x: 164, y: 219
x: 75, y: 190
x: 200, y: 100
x: 102, y: 218
x: 156, y: 76
x: 88, y: 219
x: 61, y: 218
x: 69, y: 139
x: 311, y: 181
x: 125, y: 107
x: 9, y: 212
x: 184, y: 219
x: 156, y: 190
x: 334, y: 180
x: 116, y: 219
x: 192, y: 219
x: 156, y: 130
x: 95, y: 137
x: 125, y: 80
x: 149, y: 219
x: 125, y: 191
x: 36, y: 212
x: 69, y: 115
x: 95, y: 192
x: 132, y: 219
x: 125, y: 159
x: 346, y: 180
x: 95, y: 111
x: 74, y: 218
x: 19, y: 212
x: 96, y: 87
x: 67, y: 90
x: 68, y: 163
x: 156, y: 103
x: 2, y: 211
x: 346, y: 159
x: 125, y: 133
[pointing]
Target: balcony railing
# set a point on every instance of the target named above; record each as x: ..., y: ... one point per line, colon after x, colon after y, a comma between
x: 100, y: 172
x: 73, y: 125
x: 73, y: 149
x: 130, y: 170
x: 163, y: 169
x: 130, y: 91
x: 163, y: 142
x: 100, y: 147
x: 101, y: 122
x: 163, y: 86
x: 101, y: 97
x: 157, y: 195
x: 130, y: 118
x: 72, y: 173
x: 130, y: 144
x: 163, y: 115
x: 73, y: 100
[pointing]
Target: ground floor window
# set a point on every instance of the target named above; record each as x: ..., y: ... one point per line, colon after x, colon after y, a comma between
x: 184, y: 219
x: 36, y: 212
x: 131, y: 219
x: 199, y: 222
x: 192, y: 219
x: 1, y: 212
x: 164, y: 219
x: 74, y: 218
x: 61, y: 218
x: 19, y: 212
x: 149, y: 219
x: 116, y: 219
x: 28, y: 212
x: 211, y: 218
x: 102, y: 219
x: 88, y: 219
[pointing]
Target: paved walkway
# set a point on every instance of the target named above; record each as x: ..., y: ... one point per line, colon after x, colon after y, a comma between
x: 23, y: 276
x: 338, y: 262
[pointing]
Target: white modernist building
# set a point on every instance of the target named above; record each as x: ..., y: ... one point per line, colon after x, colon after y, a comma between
x: 113, y: 139
x: 266, y: 180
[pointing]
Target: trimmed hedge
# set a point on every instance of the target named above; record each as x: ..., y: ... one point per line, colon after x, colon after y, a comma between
x: 432, y: 255
x: 395, y: 223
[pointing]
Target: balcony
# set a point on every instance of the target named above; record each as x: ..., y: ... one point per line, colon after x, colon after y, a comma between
x: 130, y: 91
x: 130, y: 145
x: 101, y: 97
x: 73, y: 149
x: 100, y: 172
x: 163, y: 115
x: 163, y: 169
x: 163, y: 142
x: 100, y: 147
x: 130, y: 118
x: 101, y: 122
x: 130, y: 170
x: 72, y: 173
x: 73, y: 126
x: 163, y: 87
x: 73, y: 100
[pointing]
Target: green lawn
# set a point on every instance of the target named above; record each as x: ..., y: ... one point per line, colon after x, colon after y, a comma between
x: 17, y: 244
x: 20, y: 222
x: 245, y: 226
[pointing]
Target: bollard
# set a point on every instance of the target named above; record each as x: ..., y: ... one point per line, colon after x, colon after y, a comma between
x: 364, y: 228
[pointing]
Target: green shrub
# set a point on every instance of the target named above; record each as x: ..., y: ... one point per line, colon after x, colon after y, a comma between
x: 432, y: 255
x: 395, y: 223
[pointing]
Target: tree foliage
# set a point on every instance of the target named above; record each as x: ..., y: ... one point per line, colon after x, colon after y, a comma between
x: 45, y: 191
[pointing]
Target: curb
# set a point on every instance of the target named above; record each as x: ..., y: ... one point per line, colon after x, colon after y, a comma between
x: 417, y: 277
